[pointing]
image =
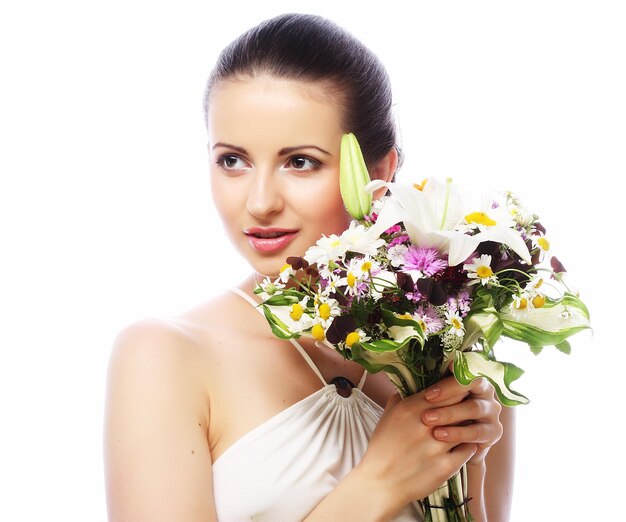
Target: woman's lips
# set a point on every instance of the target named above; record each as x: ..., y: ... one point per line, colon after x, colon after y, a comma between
x: 269, y: 240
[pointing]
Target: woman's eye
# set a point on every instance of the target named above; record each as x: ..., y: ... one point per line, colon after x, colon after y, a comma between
x: 231, y: 162
x: 302, y: 163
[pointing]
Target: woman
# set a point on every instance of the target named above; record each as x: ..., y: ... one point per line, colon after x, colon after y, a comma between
x: 211, y: 417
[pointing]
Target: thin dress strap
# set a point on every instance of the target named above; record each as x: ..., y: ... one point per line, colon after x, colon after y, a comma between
x: 362, y: 381
x: 305, y: 355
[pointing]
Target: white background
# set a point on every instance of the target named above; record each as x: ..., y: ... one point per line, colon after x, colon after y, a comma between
x: 106, y: 214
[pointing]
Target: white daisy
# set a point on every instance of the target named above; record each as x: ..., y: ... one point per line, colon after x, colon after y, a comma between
x: 285, y: 273
x: 270, y: 288
x: 479, y: 270
x: 455, y: 321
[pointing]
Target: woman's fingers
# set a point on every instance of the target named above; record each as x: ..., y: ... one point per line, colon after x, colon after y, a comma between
x: 467, y: 410
x: 449, y: 390
x: 478, y: 433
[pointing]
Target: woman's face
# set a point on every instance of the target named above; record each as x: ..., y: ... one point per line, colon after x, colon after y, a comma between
x: 274, y: 149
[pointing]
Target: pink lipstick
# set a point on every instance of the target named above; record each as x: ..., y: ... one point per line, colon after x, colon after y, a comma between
x: 269, y: 240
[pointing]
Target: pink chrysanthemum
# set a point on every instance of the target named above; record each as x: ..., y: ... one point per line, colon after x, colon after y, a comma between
x: 424, y: 260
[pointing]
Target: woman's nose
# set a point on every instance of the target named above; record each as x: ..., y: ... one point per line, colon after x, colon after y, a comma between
x: 264, y: 195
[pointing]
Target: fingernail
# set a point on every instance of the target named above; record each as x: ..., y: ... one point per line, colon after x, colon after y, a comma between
x: 432, y: 392
x: 441, y: 433
x: 431, y: 416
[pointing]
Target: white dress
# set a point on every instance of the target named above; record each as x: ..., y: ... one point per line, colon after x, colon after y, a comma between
x: 283, y: 468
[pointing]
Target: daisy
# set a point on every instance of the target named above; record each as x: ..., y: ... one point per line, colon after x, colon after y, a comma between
x: 300, y: 320
x: 357, y: 336
x: 541, y: 242
x: 326, y: 310
x: 455, y: 321
x: 270, y: 288
x: 285, y: 273
x: 354, y: 276
x: 329, y: 281
x: 479, y: 270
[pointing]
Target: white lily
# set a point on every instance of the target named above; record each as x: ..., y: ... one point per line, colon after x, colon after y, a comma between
x: 432, y: 215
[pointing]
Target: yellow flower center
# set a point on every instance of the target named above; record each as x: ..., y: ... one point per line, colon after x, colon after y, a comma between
x: 539, y: 301
x: 480, y: 218
x: 420, y: 186
x: 286, y: 266
x: 538, y: 283
x: 484, y: 272
x: 521, y: 303
x: 351, y: 279
x: 543, y: 243
x: 335, y: 243
x: 296, y: 311
x: 456, y: 323
x: 367, y: 266
x: 351, y: 338
x: 405, y: 316
x: 318, y: 332
x: 422, y: 325
x: 324, y: 311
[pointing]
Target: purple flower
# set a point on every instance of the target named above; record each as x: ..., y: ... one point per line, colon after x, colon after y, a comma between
x: 423, y: 260
x: 428, y: 318
x: 460, y: 303
x: 393, y: 230
x: 398, y: 240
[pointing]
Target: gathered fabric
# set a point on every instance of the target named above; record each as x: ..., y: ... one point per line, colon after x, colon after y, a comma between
x: 280, y: 470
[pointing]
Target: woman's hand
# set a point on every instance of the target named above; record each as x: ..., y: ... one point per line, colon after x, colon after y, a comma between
x: 464, y: 414
x: 404, y: 461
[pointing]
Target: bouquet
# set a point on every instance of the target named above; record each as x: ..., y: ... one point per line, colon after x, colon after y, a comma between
x: 423, y: 279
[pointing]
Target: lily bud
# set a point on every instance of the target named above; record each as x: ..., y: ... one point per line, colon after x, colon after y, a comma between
x: 353, y: 177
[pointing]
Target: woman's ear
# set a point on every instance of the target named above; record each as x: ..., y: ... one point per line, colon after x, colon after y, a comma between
x: 384, y: 170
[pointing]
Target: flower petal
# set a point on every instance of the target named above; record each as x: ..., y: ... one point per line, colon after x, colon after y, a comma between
x: 353, y: 177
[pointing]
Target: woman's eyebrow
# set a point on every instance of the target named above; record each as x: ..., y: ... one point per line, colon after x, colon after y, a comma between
x: 281, y: 152
x: 229, y: 146
x: 288, y: 150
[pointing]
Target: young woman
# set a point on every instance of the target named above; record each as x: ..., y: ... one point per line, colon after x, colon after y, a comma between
x: 209, y: 416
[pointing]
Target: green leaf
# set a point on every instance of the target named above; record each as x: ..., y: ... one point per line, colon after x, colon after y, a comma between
x: 564, y: 347
x: 411, y: 328
x: 279, y: 328
x: 285, y: 298
x: 353, y: 177
x: 382, y: 345
x: 535, y: 349
x: 389, y: 361
x: 537, y: 337
x: 471, y: 365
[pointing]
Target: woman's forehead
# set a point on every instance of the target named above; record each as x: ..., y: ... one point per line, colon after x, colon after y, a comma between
x: 274, y: 110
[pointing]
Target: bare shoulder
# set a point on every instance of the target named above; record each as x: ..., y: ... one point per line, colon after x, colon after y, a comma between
x: 186, y: 338
x: 156, y: 422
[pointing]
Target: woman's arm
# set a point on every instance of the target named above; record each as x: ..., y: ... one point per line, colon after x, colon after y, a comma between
x: 491, y: 479
x: 157, y: 459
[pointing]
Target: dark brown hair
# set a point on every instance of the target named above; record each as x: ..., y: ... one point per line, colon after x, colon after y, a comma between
x: 312, y: 48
